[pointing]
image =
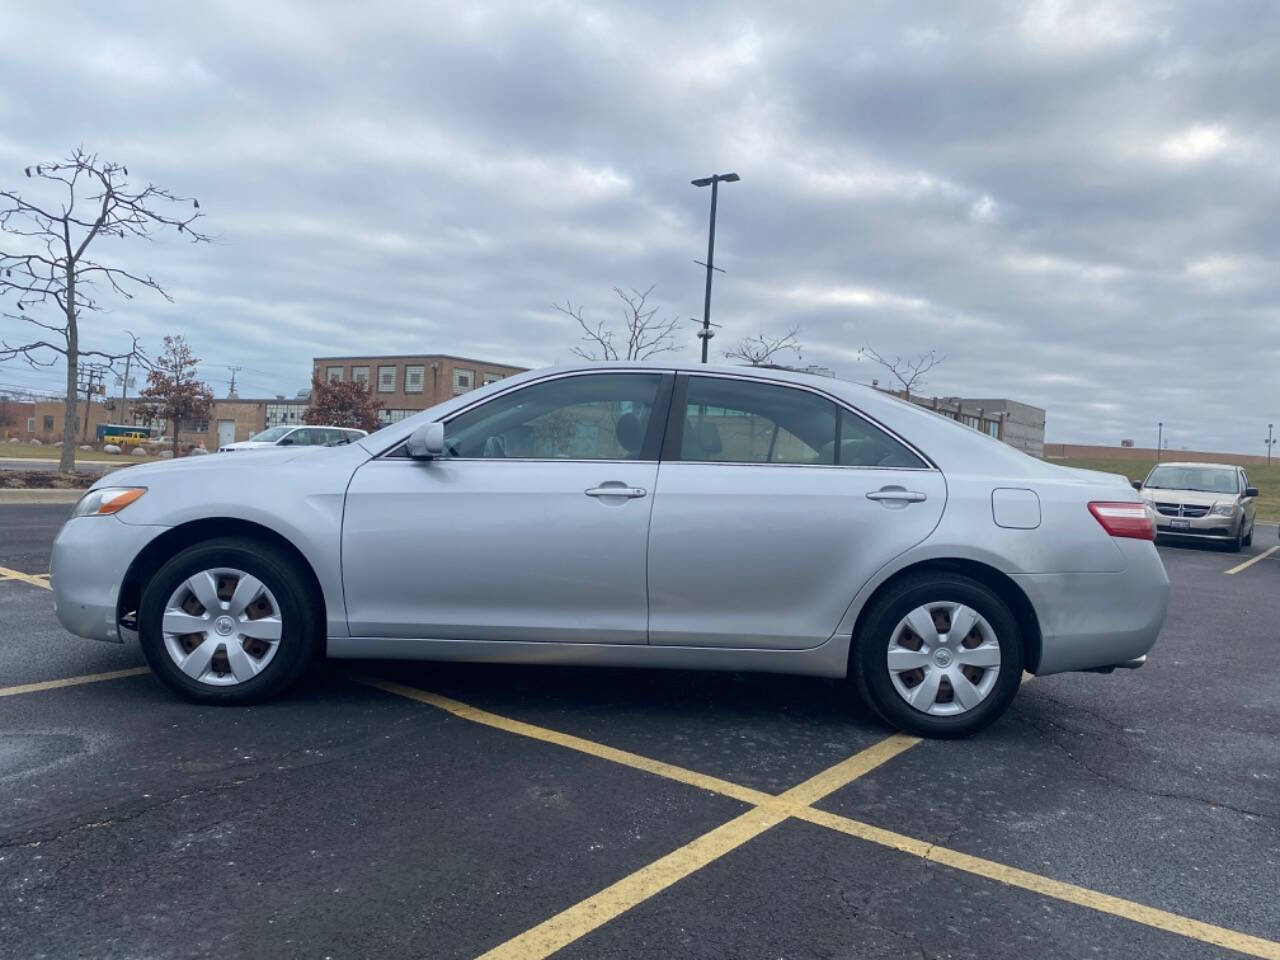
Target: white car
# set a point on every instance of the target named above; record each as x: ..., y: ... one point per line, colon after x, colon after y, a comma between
x: 307, y: 436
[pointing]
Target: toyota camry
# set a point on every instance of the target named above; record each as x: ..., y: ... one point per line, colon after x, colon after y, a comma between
x: 630, y: 515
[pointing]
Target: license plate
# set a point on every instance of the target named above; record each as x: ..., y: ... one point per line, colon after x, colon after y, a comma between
x: 1181, y: 524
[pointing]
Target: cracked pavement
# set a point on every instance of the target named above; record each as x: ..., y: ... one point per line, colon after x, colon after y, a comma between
x: 344, y: 822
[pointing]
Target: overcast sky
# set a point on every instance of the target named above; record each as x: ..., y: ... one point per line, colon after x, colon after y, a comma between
x: 1077, y: 203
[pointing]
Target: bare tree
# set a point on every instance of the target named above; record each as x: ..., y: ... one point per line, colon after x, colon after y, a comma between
x: 909, y: 371
x: 645, y: 334
x: 46, y: 261
x: 760, y: 351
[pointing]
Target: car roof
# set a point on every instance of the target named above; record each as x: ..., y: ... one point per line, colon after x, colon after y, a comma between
x: 1196, y: 463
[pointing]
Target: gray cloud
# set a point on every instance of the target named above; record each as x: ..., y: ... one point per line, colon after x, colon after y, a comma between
x: 1076, y: 202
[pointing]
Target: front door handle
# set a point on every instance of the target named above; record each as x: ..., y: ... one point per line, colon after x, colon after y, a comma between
x: 615, y: 488
x: 898, y: 495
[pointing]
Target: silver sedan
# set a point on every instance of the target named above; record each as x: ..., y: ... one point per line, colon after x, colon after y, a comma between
x: 630, y: 515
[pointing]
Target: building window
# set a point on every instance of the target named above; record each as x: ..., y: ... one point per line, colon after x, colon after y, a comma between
x: 48, y: 423
x: 463, y: 380
x: 413, y: 379
x: 394, y: 416
x: 360, y: 375
x: 31, y: 424
x: 284, y: 413
x: 492, y: 378
x: 386, y: 379
x: 334, y: 375
x: 193, y: 426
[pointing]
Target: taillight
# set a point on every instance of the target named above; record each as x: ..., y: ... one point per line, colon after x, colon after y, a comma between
x: 1124, y: 519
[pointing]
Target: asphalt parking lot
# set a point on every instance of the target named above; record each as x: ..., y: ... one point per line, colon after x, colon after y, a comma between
x: 425, y: 810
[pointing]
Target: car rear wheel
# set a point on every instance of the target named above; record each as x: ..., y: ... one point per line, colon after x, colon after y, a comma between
x: 228, y: 621
x: 939, y: 655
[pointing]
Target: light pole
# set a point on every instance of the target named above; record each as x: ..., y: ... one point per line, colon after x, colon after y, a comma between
x: 705, y: 333
x: 1159, y: 439
x: 1270, y: 443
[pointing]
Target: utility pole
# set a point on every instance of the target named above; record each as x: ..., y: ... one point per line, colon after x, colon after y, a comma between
x: 705, y: 334
x: 124, y: 387
x: 1159, y: 439
x: 89, y: 374
x: 1270, y: 442
x: 231, y: 390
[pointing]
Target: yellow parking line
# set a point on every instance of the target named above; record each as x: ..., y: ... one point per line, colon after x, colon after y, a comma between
x: 670, y: 771
x: 35, y: 579
x: 70, y: 681
x: 613, y: 901
x: 769, y: 810
x: 1068, y: 892
x: 1252, y: 560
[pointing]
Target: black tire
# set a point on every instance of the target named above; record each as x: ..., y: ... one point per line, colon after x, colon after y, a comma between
x: 1236, y: 545
x: 300, y: 634
x: 871, y: 672
x: 1248, y: 538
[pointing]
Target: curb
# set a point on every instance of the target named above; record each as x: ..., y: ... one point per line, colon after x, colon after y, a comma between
x: 41, y: 495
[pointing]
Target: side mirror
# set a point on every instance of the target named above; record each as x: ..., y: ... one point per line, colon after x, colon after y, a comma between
x: 1137, y: 484
x: 427, y: 442
x: 1250, y: 491
x: 286, y: 442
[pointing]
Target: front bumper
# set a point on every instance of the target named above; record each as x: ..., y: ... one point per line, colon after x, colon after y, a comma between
x: 1090, y: 621
x: 91, y: 555
x: 1208, y: 526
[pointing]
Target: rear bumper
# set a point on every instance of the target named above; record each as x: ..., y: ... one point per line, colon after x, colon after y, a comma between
x: 1091, y: 621
x: 91, y: 555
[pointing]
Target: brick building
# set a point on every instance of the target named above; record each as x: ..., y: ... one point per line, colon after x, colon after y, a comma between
x: 407, y: 384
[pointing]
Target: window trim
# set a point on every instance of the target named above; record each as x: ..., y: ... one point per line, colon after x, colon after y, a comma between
x: 650, y: 448
x: 421, y: 368
x: 674, y: 439
x: 394, y: 377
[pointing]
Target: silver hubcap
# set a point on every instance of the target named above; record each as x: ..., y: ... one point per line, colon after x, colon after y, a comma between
x: 222, y: 626
x: 944, y: 659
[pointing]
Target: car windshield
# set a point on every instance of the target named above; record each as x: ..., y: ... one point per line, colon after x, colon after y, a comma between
x: 271, y: 435
x: 1201, y: 479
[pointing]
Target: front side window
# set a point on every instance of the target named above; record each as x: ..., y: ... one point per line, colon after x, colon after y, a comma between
x: 386, y: 379
x: 593, y: 417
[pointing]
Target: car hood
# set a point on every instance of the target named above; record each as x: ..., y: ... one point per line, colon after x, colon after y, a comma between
x: 248, y: 445
x: 1197, y: 497
x: 262, y: 458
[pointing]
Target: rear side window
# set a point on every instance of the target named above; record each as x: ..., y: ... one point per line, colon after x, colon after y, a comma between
x: 740, y: 421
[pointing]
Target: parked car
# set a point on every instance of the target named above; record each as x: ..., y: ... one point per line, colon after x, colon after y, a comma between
x: 285, y: 436
x: 1208, y: 501
x: 630, y: 515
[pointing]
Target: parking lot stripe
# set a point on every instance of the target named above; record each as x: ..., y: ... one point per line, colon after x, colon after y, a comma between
x: 613, y: 901
x: 580, y: 919
x: 70, y: 681
x: 1252, y: 560
x: 1068, y: 892
x: 38, y: 580
x: 670, y: 771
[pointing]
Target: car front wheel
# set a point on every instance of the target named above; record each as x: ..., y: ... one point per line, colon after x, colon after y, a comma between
x: 228, y: 621
x: 939, y: 655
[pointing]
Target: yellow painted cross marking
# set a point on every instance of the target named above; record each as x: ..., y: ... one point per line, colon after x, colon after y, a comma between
x: 1252, y: 560
x: 35, y: 579
x: 768, y: 811
x: 70, y: 681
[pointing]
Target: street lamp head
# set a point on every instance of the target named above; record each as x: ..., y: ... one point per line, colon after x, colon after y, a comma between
x: 724, y: 177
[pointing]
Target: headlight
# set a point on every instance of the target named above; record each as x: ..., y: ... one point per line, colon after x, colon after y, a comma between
x: 105, y: 500
x: 1223, y: 509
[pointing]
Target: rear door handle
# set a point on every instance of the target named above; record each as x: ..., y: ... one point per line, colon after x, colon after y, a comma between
x: 898, y: 494
x: 615, y: 489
